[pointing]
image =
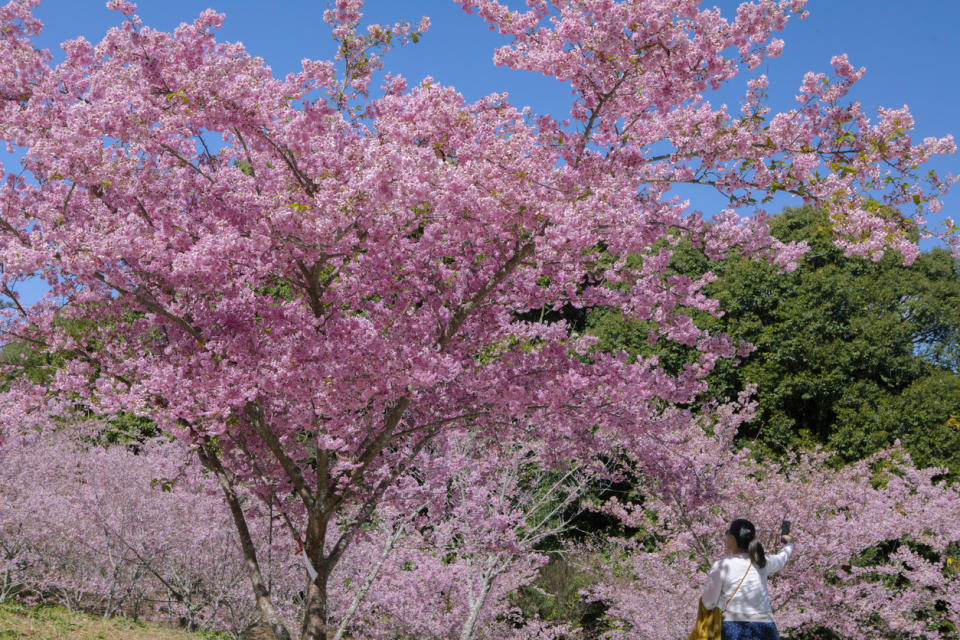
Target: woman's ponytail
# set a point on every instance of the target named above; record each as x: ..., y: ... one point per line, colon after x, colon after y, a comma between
x: 746, y: 536
x: 755, y: 549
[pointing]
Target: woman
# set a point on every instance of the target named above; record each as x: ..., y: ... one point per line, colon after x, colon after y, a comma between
x: 738, y: 584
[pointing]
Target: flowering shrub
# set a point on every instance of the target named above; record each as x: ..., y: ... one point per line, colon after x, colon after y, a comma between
x: 876, y: 545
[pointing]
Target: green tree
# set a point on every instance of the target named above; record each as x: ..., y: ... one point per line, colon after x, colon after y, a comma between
x: 850, y: 354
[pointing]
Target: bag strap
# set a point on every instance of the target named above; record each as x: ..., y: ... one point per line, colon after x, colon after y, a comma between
x: 738, y: 586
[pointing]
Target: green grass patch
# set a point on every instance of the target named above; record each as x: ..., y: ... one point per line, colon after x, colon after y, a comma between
x: 19, y: 622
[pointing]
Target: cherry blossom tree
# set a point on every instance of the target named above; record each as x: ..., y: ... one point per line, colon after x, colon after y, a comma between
x: 309, y: 283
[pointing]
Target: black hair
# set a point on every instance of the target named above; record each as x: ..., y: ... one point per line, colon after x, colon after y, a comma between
x: 746, y: 536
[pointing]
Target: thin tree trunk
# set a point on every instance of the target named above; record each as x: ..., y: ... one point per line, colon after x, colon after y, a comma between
x: 262, y: 594
x: 466, y: 633
x: 359, y: 595
x: 111, y: 596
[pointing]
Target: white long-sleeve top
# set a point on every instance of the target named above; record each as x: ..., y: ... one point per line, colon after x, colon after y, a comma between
x: 751, y: 602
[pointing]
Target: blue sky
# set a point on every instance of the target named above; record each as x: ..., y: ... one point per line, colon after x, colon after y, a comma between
x: 910, y: 50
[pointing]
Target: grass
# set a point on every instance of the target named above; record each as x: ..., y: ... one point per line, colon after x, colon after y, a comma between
x: 18, y: 622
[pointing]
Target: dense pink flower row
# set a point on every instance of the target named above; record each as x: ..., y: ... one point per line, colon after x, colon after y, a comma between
x: 139, y: 530
x: 136, y: 534
x: 143, y: 530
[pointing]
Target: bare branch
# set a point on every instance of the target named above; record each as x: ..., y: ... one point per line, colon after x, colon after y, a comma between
x: 371, y: 451
x: 66, y: 201
x: 371, y: 503
x: 467, y: 308
x: 374, y: 572
x: 438, y: 423
x: 6, y: 225
x: 16, y: 301
x: 308, y: 185
x: 266, y: 483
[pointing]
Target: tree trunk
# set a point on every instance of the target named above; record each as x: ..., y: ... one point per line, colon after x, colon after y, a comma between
x: 210, y: 460
x: 315, y: 608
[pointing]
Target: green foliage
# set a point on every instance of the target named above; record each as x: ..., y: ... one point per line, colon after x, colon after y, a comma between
x: 23, y: 360
x: 922, y: 416
x: 38, y: 364
x: 127, y: 428
x: 555, y: 596
x: 850, y: 354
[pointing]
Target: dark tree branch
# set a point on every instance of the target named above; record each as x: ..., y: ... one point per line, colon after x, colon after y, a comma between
x: 257, y: 420
x: 173, y: 152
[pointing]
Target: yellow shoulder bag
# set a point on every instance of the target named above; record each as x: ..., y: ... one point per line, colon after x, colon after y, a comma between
x: 709, y: 620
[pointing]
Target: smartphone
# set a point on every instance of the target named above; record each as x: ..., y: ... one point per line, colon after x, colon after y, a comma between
x: 785, y: 528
